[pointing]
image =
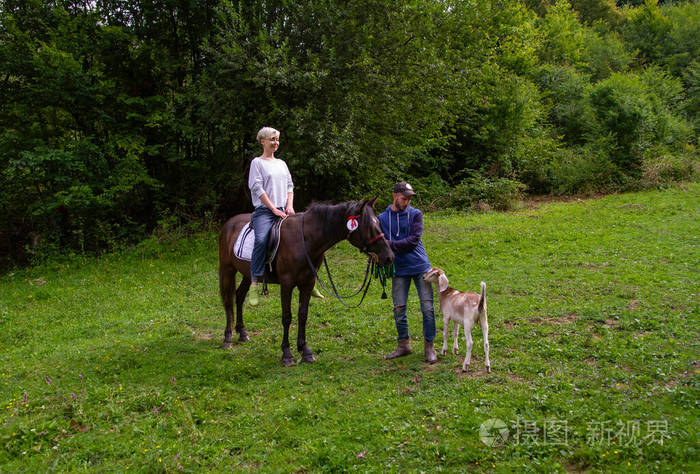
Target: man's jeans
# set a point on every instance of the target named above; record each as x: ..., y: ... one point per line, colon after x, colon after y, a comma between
x: 263, y: 220
x: 399, y: 293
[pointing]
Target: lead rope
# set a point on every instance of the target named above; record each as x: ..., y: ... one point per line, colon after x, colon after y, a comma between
x: 383, y: 274
x: 368, y: 273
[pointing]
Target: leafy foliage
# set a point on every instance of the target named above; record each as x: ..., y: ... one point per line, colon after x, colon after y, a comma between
x: 116, y: 115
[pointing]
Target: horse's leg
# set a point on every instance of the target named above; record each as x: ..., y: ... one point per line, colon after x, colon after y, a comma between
x: 286, y: 296
x: 304, y: 297
x: 227, y: 284
x: 240, y: 298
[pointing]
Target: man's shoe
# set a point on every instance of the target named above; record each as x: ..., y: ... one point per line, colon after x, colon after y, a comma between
x: 430, y: 356
x: 316, y: 294
x: 403, y: 349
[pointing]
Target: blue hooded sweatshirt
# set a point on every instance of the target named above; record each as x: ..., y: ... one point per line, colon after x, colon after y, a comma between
x: 403, y: 230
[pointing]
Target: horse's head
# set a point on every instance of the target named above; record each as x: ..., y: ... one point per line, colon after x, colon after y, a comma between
x: 367, y: 235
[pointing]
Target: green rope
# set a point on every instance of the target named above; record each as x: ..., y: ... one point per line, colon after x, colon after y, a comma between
x: 383, y: 274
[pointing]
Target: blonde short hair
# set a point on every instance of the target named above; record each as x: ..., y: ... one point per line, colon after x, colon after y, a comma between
x: 267, y: 133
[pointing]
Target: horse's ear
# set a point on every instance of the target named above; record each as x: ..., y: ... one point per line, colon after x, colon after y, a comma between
x: 367, y: 202
x: 357, y: 210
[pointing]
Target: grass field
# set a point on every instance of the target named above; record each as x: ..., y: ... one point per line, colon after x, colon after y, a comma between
x: 115, y: 363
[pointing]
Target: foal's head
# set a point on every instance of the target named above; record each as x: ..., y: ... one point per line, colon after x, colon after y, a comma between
x: 368, y: 235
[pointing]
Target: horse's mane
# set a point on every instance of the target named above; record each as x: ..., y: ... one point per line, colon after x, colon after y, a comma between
x: 327, y: 207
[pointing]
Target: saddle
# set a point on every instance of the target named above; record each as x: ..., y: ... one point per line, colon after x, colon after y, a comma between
x: 243, y: 247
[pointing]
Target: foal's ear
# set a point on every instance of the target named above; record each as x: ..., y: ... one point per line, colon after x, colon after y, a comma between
x: 371, y: 202
x: 442, y: 282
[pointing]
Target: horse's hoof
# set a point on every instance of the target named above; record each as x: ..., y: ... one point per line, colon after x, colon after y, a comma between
x: 227, y: 345
x: 308, y: 358
x: 243, y: 337
x: 287, y: 362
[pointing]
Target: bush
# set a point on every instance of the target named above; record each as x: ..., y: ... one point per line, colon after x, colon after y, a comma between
x: 499, y: 193
x: 432, y: 192
x: 659, y: 170
x: 640, y: 111
x: 566, y: 91
x: 586, y: 169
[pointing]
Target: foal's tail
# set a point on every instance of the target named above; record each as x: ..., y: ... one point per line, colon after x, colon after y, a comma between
x: 482, y: 299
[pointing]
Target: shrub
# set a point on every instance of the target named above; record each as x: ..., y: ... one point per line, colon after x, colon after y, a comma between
x: 640, y: 111
x: 659, y: 170
x: 586, y: 169
x: 432, y: 192
x: 533, y: 159
x: 499, y: 193
x: 566, y: 92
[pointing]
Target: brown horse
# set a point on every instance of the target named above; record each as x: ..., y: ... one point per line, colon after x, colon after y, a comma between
x: 316, y: 230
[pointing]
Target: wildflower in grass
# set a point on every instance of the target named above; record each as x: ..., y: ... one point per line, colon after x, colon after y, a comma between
x: 48, y: 379
x: 155, y: 410
x: 26, y: 396
x: 362, y: 454
x: 80, y: 376
x: 172, y: 379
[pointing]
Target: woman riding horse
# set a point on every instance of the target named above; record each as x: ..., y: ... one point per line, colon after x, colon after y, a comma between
x: 271, y: 189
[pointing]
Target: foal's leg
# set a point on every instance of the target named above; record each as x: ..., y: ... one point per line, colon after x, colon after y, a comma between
x: 445, y: 330
x: 240, y: 298
x: 484, y: 323
x: 470, y: 343
x: 455, y: 342
x: 286, y: 296
x: 227, y: 284
x: 304, y: 297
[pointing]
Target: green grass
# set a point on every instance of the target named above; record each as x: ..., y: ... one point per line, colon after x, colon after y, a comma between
x: 116, y: 363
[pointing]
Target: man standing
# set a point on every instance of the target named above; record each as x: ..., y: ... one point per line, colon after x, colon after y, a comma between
x: 403, y: 227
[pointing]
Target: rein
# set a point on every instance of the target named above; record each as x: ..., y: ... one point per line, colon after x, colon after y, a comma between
x: 371, y: 269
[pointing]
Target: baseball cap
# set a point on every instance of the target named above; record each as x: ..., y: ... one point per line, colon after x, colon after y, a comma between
x: 404, y: 188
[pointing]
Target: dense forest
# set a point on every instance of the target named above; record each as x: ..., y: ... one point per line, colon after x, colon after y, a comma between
x: 117, y: 117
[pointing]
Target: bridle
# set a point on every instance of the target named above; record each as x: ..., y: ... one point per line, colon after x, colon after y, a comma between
x: 352, y: 225
x: 371, y: 269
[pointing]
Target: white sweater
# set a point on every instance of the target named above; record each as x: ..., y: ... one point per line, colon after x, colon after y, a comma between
x: 270, y: 177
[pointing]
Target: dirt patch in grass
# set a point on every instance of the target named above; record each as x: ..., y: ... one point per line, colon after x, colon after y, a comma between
x: 568, y: 318
x: 634, y: 304
x: 612, y: 323
x: 535, y: 202
x: 204, y: 336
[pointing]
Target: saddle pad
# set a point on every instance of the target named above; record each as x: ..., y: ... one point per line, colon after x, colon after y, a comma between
x: 243, y: 248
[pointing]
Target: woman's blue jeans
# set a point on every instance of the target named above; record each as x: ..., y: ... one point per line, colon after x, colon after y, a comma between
x: 263, y: 220
x: 399, y: 293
